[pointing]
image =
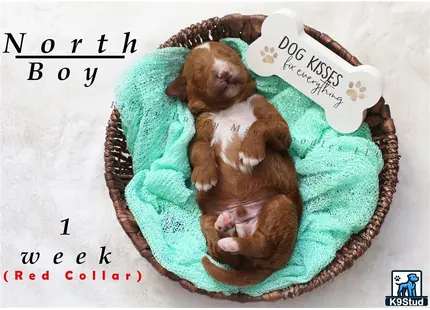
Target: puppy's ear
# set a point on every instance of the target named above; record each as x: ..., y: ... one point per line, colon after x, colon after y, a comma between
x: 178, y: 88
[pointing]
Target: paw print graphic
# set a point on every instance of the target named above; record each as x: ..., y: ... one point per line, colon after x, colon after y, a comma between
x: 269, y: 55
x: 397, y: 278
x: 356, y: 91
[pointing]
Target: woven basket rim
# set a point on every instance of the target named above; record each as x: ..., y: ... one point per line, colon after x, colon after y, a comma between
x: 118, y: 168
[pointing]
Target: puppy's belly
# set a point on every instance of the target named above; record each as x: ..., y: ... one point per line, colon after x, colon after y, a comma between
x: 247, y: 228
x: 245, y: 215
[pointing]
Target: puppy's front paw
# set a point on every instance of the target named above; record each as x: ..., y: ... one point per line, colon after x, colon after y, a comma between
x: 228, y: 245
x: 205, y: 177
x: 225, y: 222
x: 252, y: 152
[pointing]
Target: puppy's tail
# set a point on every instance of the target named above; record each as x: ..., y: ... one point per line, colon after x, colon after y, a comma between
x: 236, y: 277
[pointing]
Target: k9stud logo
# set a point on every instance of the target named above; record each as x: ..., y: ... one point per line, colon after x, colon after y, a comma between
x: 406, y: 289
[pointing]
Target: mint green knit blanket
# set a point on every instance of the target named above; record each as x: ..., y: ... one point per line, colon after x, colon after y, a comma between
x: 338, y: 173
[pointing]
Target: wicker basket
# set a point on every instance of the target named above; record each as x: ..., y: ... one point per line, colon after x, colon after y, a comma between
x: 119, y: 170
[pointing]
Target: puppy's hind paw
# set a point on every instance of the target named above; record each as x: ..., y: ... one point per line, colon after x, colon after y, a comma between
x: 228, y: 245
x: 225, y: 222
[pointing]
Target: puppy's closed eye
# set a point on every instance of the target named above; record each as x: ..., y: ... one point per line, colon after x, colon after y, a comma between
x: 200, y: 71
x: 199, y: 75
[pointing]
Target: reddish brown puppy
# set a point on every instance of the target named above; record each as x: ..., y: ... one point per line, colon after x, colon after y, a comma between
x: 245, y: 179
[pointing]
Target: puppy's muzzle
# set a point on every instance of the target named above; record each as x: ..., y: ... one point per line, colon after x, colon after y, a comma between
x: 224, y: 75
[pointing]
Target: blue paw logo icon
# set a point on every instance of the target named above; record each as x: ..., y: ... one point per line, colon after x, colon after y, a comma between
x: 406, y: 289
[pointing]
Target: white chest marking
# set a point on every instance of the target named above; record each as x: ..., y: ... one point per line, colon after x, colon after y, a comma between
x: 235, y: 120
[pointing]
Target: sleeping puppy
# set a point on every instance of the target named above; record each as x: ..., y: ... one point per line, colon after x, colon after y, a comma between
x: 245, y: 180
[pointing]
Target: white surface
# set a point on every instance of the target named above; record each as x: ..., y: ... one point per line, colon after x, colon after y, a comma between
x: 52, y: 136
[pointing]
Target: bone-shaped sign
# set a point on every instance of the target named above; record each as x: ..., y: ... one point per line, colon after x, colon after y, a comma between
x: 343, y: 90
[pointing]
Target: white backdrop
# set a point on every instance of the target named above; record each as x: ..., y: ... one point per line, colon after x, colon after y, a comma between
x: 52, y: 139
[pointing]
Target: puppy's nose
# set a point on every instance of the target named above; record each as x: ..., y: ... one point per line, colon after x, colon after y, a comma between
x: 224, y: 75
